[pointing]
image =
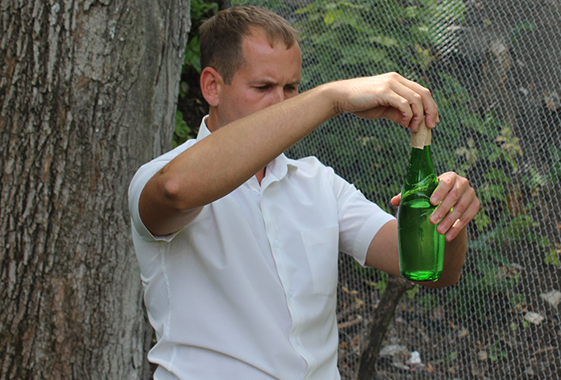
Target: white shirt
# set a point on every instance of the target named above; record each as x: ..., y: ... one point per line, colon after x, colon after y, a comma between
x: 247, y: 290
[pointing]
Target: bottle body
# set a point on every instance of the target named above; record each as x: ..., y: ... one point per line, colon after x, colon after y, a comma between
x: 421, y: 247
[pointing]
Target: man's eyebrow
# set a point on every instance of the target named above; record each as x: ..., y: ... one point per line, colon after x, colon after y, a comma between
x: 293, y: 83
x: 273, y: 82
x: 264, y: 81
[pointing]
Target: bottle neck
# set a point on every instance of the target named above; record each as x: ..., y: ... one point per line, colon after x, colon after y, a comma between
x: 420, y: 167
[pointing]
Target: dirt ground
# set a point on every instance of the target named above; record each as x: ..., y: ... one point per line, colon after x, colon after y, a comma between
x: 502, y: 347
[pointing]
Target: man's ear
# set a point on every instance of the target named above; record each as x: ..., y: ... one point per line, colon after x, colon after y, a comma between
x: 211, y: 85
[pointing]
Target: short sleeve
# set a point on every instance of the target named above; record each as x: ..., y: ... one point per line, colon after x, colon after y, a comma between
x: 140, y: 179
x: 359, y: 219
x: 138, y: 182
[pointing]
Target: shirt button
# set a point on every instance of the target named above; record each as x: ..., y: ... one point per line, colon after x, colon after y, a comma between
x: 277, y: 243
x: 290, y: 293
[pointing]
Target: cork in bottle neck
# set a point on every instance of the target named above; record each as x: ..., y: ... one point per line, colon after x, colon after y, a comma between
x: 422, y: 137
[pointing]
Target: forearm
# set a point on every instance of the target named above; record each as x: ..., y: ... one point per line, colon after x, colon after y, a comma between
x: 383, y: 255
x: 233, y: 153
x: 228, y: 157
x: 221, y: 162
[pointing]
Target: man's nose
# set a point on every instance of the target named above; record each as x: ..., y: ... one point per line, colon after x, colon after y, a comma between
x: 278, y: 95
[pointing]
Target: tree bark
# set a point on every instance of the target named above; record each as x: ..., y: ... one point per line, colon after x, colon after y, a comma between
x: 379, y: 325
x: 87, y: 94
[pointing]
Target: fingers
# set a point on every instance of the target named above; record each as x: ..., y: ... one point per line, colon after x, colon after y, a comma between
x: 420, y: 101
x: 395, y: 201
x: 458, y: 204
x: 409, y: 103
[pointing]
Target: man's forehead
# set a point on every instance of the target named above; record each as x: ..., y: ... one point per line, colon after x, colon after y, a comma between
x: 256, y: 32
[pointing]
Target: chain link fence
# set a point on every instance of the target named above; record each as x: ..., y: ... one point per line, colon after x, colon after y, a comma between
x: 494, y: 68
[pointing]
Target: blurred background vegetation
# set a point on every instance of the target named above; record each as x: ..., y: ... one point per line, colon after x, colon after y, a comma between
x: 516, y: 233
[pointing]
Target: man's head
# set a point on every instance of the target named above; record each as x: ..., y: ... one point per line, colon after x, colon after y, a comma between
x: 250, y: 60
x: 221, y: 36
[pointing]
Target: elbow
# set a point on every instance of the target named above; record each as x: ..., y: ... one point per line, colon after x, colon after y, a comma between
x: 450, y: 281
x: 456, y: 279
x: 173, y: 192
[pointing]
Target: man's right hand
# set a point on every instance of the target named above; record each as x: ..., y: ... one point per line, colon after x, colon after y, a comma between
x: 389, y: 96
x: 234, y: 153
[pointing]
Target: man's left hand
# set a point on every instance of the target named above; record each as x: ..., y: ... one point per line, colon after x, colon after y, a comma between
x: 457, y: 204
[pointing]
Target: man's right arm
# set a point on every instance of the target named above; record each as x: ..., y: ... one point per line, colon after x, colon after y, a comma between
x: 227, y: 158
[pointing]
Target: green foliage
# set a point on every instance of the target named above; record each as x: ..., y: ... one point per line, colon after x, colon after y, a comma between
x: 451, y: 357
x: 516, y: 32
x: 552, y: 256
x: 345, y: 37
x: 364, y: 38
x: 496, y: 353
x: 192, y: 59
x: 191, y: 69
x: 279, y: 7
x: 342, y: 36
x: 342, y: 39
x: 555, y: 169
x: 493, y: 276
x: 200, y: 10
x: 182, y: 131
x: 429, y: 302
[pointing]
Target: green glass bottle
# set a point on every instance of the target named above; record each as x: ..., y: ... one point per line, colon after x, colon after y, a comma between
x: 421, y: 248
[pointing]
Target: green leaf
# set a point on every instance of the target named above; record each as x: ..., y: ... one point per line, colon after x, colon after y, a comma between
x: 182, y: 130
x: 519, y: 28
x: 552, y: 257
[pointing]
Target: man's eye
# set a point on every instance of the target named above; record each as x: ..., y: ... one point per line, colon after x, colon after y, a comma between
x: 262, y: 88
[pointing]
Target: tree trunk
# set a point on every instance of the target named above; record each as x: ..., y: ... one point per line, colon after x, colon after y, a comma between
x: 379, y: 325
x: 87, y: 94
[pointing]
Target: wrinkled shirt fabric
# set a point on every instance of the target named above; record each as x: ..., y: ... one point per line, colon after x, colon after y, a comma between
x: 247, y: 290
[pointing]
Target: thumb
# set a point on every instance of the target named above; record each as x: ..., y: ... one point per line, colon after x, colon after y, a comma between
x: 396, y: 200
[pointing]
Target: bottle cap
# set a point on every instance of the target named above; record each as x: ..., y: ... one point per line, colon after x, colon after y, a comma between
x: 422, y: 137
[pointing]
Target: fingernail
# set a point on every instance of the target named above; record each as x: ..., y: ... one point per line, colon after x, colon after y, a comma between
x: 434, y: 219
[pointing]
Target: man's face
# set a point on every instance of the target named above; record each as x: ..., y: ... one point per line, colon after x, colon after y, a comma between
x: 268, y: 76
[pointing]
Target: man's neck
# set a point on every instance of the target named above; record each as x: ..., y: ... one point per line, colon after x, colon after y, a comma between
x: 260, y: 175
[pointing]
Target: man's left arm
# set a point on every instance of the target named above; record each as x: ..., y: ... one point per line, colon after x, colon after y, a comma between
x: 458, y: 205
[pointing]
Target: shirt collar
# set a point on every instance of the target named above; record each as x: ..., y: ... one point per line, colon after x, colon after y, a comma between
x: 203, y: 130
x: 279, y: 167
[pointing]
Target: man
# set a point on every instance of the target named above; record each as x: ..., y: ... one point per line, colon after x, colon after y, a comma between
x: 237, y: 244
